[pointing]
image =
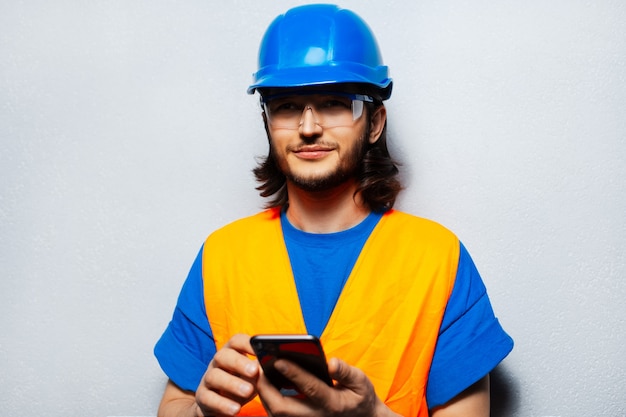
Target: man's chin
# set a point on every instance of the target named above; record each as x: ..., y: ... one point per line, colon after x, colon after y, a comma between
x: 318, y: 184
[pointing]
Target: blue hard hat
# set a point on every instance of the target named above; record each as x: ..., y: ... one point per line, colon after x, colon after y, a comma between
x: 320, y: 44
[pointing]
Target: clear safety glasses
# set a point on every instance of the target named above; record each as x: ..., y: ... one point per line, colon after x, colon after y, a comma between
x: 328, y: 109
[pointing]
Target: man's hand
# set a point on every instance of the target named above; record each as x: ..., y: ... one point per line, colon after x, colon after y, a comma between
x: 230, y: 379
x: 228, y: 383
x: 353, y: 394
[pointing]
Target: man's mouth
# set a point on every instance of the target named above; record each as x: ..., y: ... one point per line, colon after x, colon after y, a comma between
x: 312, y: 151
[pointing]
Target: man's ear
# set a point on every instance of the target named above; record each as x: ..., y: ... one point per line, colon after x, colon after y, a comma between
x: 377, y: 124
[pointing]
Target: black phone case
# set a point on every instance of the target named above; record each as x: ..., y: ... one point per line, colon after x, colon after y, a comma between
x: 304, y: 350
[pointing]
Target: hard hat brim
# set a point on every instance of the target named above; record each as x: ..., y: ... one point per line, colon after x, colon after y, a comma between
x: 307, y: 77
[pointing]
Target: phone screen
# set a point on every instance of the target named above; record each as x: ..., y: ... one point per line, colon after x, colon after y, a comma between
x: 304, y: 350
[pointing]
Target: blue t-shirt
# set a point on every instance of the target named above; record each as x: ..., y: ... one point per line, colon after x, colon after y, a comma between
x: 321, y: 264
x: 471, y: 341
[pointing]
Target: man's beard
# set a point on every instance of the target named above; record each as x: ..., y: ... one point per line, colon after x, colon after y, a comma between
x: 346, y: 170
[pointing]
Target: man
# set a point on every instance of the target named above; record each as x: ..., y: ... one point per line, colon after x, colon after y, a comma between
x: 396, y: 300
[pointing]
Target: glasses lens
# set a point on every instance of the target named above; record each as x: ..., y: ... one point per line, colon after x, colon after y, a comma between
x: 329, y: 110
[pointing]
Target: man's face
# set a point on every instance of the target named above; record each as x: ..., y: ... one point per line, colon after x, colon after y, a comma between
x: 322, y: 147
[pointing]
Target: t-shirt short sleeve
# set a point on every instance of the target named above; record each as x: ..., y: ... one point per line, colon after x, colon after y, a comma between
x: 187, y: 346
x: 471, y: 341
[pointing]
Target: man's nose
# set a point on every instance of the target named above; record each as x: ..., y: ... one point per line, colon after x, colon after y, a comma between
x: 308, y: 124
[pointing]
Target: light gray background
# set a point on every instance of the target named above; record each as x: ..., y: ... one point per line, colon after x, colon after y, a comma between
x: 127, y: 136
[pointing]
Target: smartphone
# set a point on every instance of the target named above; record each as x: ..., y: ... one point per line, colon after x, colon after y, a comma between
x: 304, y: 350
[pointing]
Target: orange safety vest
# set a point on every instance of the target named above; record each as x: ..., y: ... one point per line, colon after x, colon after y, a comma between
x: 386, y: 321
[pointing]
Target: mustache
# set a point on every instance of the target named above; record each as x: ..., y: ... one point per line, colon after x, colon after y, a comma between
x: 316, y: 144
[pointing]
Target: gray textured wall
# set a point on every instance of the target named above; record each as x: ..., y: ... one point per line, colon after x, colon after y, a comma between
x: 126, y: 137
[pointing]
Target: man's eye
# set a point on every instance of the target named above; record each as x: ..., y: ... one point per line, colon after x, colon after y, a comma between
x: 285, y: 107
x: 336, y: 104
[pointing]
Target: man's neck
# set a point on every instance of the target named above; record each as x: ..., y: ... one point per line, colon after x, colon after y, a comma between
x: 328, y: 211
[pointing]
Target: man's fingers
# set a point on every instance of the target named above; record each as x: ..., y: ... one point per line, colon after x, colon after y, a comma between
x: 230, y: 379
x: 340, y: 371
x: 219, y: 404
x: 241, y: 343
x: 277, y: 404
x: 222, y: 381
x: 348, y: 376
x: 308, y: 384
x: 233, y: 359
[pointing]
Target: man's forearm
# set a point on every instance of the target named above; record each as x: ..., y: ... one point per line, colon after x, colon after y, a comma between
x: 177, y: 403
